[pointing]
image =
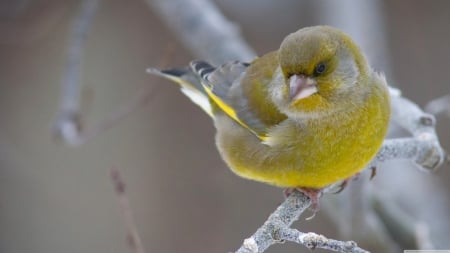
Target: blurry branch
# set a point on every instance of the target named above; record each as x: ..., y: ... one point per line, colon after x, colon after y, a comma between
x: 200, y: 26
x: 200, y: 20
x: 439, y: 105
x: 133, y: 238
x: 369, y: 34
x: 203, y: 29
x: 67, y: 125
x: 401, y: 227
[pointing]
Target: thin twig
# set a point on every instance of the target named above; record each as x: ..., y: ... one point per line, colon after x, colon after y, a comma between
x: 133, y: 238
x: 314, y: 241
x: 67, y: 125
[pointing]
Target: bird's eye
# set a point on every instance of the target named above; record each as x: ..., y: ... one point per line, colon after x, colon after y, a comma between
x: 320, y: 68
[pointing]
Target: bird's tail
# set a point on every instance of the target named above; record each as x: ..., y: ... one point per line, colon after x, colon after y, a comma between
x: 190, y: 85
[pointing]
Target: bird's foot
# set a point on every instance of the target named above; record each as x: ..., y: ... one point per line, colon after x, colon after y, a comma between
x: 312, y: 193
x: 342, y: 186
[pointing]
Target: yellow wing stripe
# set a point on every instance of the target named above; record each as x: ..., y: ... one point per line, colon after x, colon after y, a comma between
x: 230, y: 111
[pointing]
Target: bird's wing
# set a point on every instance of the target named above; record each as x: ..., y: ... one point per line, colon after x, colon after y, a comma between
x: 241, y: 91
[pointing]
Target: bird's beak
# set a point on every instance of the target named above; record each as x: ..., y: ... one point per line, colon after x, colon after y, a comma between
x: 301, y: 87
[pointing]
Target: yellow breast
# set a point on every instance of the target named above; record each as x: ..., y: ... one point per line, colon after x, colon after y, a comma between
x: 315, y: 153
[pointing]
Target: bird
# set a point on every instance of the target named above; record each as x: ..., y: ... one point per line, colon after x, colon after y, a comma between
x: 306, y: 116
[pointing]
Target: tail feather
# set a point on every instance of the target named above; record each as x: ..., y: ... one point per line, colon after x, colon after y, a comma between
x: 182, y: 76
x: 189, y: 83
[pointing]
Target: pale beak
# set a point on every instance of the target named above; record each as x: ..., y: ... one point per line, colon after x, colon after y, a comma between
x: 301, y: 87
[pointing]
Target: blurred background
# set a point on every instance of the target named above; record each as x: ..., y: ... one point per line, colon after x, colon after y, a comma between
x: 55, y: 198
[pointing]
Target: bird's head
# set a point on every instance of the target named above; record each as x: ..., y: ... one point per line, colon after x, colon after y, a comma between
x: 320, y: 67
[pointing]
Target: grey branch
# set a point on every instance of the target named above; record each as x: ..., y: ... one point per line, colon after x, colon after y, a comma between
x: 423, y: 147
x: 315, y: 241
x: 133, y: 237
x: 276, y: 230
x: 283, y: 217
x: 67, y: 125
x: 204, y: 30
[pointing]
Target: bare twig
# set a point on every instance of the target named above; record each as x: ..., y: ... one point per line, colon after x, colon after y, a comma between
x: 67, y: 125
x: 133, y: 238
x: 423, y: 148
x: 276, y: 230
x: 314, y: 241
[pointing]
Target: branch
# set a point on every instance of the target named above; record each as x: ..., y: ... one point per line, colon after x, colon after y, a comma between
x: 313, y: 241
x: 198, y: 20
x: 203, y: 29
x: 276, y: 230
x: 288, y: 212
x: 133, y: 238
x: 404, y: 229
x: 423, y: 148
x: 67, y: 125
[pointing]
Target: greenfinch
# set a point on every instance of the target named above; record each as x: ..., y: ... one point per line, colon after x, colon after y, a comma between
x: 308, y: 115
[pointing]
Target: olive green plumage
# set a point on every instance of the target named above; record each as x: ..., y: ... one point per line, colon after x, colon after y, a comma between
x: 307, y: 115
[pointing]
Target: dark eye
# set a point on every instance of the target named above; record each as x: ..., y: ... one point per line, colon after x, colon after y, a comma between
x: 320, y: 68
